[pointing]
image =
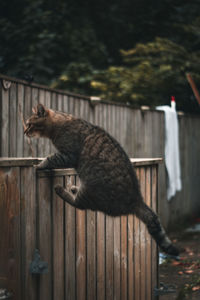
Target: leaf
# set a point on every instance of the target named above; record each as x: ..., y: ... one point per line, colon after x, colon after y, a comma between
x: 180, y: 272
x: 196, y: 288
x: 188, y: 271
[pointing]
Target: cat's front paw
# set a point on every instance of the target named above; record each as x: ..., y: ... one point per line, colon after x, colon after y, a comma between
x: 38, y: 167
x: 58, y: 189
x: 41, y: 166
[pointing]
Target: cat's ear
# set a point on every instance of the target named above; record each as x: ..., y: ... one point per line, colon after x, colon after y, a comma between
x: 41, y: 110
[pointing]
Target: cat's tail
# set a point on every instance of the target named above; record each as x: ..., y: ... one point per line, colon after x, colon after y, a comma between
x: 145, y: 213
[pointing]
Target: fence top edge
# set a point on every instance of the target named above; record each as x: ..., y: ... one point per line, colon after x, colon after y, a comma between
x: 74, y: 95
x: 30, y: 161
x: 44, y: 87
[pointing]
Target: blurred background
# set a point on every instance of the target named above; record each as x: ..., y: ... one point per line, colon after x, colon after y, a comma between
x: 137, y: 52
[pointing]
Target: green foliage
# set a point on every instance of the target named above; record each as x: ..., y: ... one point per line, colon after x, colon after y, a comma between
x: 152, y: 72
x: 75, y: 45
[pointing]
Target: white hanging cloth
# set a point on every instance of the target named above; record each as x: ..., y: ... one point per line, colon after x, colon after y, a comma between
x: 172, y: 156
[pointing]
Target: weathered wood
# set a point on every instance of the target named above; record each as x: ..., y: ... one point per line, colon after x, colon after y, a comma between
x: 44, y: 219
x: 100, y: 256
x: 28, y: 231
x: 81, y: 272
x: 137, y: 249
x: 10, y: 264
x: 109, y: 258
x: 13, y: 120
x: 154, y: 203
x: 89, y: 255
x: 70, y: 245
x: 143, y: 246
x: 58, y: 242
x: 148, y: 241
x: 131, y: 253
x: 124, y: 247
x: 19, y: 117
x: 29, y: 161
x: 117, y: 258
x: 5, y: 131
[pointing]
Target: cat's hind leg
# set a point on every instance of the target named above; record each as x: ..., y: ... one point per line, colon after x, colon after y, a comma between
x: 74, y: 200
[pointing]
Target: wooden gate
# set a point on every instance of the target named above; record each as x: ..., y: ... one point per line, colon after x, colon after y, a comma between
x: 89, y: 255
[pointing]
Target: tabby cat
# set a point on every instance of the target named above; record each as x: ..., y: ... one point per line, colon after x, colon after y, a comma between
x: 108, y: 180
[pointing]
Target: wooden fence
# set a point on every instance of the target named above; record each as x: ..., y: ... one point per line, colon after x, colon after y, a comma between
x: 89, y: 255
x: 140, y: 132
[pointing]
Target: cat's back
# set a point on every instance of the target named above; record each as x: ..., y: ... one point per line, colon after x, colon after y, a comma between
x: 104, y: 158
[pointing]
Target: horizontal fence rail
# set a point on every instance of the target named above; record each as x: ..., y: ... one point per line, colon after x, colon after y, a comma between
x: 90, y: 255
x: 140, y: 132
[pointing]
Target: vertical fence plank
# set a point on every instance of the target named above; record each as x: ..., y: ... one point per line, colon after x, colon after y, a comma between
x: 137, y: 250
x: 91, y: 255
x: 109, y: 258
x: 41, y: 141
x: 124, y: 279
x: 27, y: 113
x: 70, y: 246
x: 4, y: 122
x: 117, y: 258
x: 13, y: 120
x: 48, y: 143
x: 81, y: 272
x: 100, y: 256
x: 45, y: 234
x: 58, y: 242
x: 10, y: 264
x: 35, y: 100
x: 143, y: 241
x: 28, y: 231
x: 154, y: 249
x: 130, y: 257
x: 148, y: 243
x: 19, y: 125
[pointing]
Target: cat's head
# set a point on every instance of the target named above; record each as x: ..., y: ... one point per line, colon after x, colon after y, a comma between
x: 37, y: 124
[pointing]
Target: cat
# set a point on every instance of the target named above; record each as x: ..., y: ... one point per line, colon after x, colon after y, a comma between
x: 108, y: 181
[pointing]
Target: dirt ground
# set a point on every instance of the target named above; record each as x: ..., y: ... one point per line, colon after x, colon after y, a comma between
x: 184, y: 275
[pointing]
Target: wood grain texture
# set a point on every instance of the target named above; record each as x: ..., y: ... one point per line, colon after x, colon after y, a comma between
x: 58, y: 241
x: 109, y: 258
x: 124, y: 263
x: 101, y: 280
x: 143, y: 246
x: 5, y: 130
x: 45, y: 228
x: 117, y: 258
x: 89, y: 255
x: 137, y: 256
x: 81, y: 271
x: 70, y: 245
x: 131, y: 253
x: 28, y: 231
x: 10, y: 260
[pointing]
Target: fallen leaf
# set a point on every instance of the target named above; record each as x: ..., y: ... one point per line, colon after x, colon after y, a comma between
x: 176, y: 263
x: 196, y: 288
x: 188, y: 271
x: 180, y: 272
